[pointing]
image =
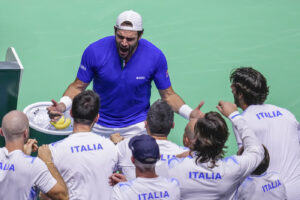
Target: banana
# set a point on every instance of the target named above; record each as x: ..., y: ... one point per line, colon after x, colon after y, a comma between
x: 61, y: 120
x: 62, y: 123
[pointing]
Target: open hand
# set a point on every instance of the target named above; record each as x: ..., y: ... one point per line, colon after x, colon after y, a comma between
x: 56, y: 110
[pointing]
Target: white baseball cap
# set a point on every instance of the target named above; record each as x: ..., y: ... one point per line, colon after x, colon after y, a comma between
x: 132, y: 17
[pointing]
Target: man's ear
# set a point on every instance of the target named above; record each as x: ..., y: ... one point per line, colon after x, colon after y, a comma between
x: 146, y: 124
x: 1, y: 132
x: 173, y: 125
x: 132, y: 159
x: 71, y: 113
x: 186, y: 141
x: 96, y: 118
x: 26, y: 133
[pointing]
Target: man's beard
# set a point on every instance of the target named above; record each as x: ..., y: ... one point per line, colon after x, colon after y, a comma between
x: 236, y: 101
x: 130, y: 51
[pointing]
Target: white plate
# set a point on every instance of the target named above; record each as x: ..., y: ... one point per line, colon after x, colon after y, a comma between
x: 39, y: 119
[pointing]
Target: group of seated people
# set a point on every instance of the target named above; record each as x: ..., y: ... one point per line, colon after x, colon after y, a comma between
x: 148, y: 166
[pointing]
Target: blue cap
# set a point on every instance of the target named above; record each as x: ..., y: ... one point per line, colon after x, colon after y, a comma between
x: 144, y: 148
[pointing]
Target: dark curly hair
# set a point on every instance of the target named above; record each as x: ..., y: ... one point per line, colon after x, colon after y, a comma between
x: 251, y: 84
x: 211, y: 133
x: 263, y: 166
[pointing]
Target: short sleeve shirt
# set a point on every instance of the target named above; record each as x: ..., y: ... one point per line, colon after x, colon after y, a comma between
x: 265, y: 186
x: 85, y: 161
x: 124, y: 92
x: 167, y: 149
x: 147, y: 188
x: 278, y: 129
x: 19, y: 173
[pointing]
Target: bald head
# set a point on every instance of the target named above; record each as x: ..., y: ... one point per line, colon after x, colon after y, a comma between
x: 14, y: 125
x: 189, y: 132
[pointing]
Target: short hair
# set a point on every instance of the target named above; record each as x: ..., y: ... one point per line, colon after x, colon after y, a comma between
x: 144, y: 167
x: 211, y: 133
x: 251, y: 84
x: 160, y: 118
x: 85, y: 107
x: 14, y: 124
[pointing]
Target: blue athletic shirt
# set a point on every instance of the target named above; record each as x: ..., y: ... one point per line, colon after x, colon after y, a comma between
x: 124, y: 93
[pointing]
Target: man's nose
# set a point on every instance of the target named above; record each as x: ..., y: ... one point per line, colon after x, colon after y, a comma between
x: 124, y: 43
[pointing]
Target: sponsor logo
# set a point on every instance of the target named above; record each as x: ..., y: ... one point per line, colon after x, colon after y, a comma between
x: 140, y: 77
x: 82, y: 67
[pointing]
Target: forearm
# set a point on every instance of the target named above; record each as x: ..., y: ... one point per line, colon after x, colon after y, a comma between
x: 174, y: 100
x: 246, y: 134
x: 60, y: 181
x: 73, y: 90
x: 253, y: 150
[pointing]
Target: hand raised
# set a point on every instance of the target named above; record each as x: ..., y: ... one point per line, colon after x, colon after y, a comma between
x: 226, y: 108
x: 197, y: 113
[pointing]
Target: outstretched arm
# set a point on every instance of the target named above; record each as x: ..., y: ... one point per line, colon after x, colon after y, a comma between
x: 178, y: 105
x: 56, y: 110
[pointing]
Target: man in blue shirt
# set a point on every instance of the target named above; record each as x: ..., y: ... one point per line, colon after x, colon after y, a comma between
x: 122, y: 68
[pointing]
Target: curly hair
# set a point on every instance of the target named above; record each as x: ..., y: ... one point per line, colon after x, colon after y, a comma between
x: 211, y: 133
x: 251, y: 84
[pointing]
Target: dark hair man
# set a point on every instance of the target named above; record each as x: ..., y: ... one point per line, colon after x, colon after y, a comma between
x: 160, y: 121
x: 85, y: 159
x: 261, y: 184
x: 205, y: 174
x: 275, y: 127
x: 19, y: 172
x: 147, y: 185
x: 122, y: 68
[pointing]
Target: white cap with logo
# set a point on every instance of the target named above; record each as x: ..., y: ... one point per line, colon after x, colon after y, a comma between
x: 130, y: 16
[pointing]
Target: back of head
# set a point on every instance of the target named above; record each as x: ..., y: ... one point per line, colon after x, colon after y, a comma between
x: 14, y: 124
x: 145, y: 151
x: 251, y: 84
x: 189, y: 132
x: 160, y: 118
x: 85, y: 107
x: 211, y: 133
x: 264, y: 165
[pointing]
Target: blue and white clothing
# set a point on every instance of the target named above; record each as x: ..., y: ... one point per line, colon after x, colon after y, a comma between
x: 19, y: 173
x: 167, y: 150
x: 200, y: 181
x: 147, y: 188
x: 278, y: 130
x: 125, y: 92
x: 265, y: 186
x: 85, y: 161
